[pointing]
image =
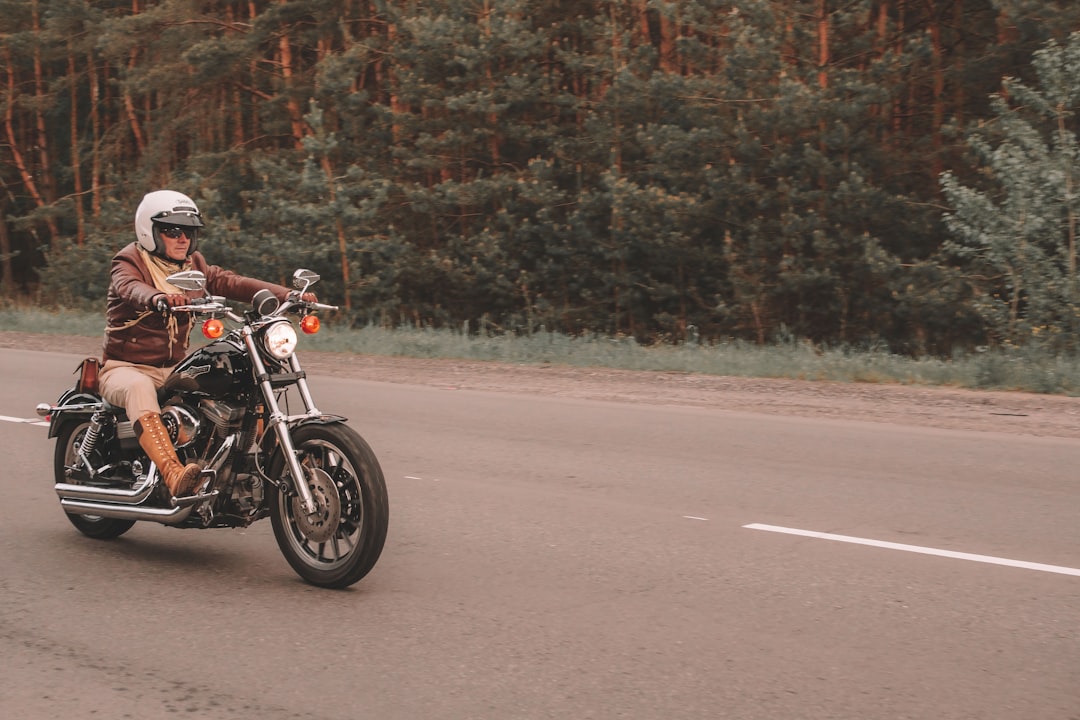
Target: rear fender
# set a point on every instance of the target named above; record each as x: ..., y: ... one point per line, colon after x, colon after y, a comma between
x: 85, y: 405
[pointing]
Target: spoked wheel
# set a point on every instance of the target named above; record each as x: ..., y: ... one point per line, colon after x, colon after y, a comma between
x: 68, y: 442
x: 342, y: 540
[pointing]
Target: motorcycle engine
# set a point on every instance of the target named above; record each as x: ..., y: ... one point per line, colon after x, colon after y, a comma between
x: 226, y: 417
x: 182, y: 423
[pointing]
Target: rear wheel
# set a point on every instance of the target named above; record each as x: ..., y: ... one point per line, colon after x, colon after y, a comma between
x: 68, y: 442
x: 342, y: 540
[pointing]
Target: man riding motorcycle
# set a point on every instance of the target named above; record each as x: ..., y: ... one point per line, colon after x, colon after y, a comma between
x: 143, y: 340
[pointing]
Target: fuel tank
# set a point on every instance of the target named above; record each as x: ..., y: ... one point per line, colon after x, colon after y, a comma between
x: 217, y: 370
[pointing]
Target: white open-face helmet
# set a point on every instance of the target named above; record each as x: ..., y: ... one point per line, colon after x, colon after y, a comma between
x: 163, y: 209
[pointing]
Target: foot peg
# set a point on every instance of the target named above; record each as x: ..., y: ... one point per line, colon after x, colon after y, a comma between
x: 197, y: 494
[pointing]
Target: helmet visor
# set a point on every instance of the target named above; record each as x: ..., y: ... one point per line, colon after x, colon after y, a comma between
x: 178, y: 216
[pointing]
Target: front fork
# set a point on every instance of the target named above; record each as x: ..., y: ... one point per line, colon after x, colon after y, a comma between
x: 280, y: 422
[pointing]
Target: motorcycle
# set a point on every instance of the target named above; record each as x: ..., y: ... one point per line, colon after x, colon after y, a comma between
x: 227, y: 408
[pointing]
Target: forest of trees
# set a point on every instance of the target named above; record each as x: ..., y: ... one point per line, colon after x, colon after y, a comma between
x: 897, y: 173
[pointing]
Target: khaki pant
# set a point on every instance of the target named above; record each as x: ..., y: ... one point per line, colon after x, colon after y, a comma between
x: 132, y: 387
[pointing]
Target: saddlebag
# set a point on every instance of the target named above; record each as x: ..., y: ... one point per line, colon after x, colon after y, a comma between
x: 88, y: 375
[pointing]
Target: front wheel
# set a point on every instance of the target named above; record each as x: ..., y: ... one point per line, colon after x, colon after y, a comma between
x: 68, y: 441
x: 342, y: 540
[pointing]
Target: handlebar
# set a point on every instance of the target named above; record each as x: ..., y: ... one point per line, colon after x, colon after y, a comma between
x: 216, y: 305
x: 314, y: 306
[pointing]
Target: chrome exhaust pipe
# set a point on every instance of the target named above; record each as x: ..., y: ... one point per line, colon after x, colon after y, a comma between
x: 169, y: 516
x: 104, y: 495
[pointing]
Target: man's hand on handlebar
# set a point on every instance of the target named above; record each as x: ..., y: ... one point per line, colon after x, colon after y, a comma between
x: 295, y: 296
x: 166, y: 302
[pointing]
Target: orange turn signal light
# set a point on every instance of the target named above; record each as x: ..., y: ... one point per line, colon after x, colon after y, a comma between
x: 213, y: 328
x: 309, y: 324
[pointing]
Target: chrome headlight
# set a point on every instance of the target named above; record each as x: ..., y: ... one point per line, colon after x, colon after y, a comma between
x: 280, y: 340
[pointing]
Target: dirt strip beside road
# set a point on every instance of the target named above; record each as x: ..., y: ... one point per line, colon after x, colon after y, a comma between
x: 1007, y: 412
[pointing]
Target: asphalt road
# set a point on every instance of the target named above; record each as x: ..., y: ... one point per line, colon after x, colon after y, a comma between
x: 568, y: 559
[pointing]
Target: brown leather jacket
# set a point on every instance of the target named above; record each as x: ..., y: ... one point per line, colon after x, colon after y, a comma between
x: 132, y: 292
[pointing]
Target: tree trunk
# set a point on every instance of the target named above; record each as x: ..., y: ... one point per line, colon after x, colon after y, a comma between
x: 823, y: 60
x: 958, y: 57
x: 823, y: 43
x: 95, y: 125
x: 882, y: 35
x: 296, y: 115
x: 48, y: 180
x: 343, y: 247
x: 7, y: 278
x: 493, y: 119
x: 76, y: 161
x: 24, y: 170
x: 129, y: 108
x: 898, y: 109
x: 938, y: 92
x: 669, y: 36
x: 129, y: 101
x: 1070, y: 211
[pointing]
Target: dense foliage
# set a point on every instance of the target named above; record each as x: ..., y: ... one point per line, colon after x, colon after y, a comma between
x: 1018, y: 239
x: 664, y: 169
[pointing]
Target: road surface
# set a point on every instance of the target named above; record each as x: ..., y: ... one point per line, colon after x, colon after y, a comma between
x: 565, y: 558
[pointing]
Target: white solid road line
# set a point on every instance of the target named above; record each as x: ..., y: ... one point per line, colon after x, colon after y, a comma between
x: 918, y: 549
x: 24, y: 421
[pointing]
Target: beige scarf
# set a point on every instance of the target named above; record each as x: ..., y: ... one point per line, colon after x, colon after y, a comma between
x: 159, y: 272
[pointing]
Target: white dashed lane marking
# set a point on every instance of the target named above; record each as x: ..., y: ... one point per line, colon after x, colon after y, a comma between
x: 918, y: 549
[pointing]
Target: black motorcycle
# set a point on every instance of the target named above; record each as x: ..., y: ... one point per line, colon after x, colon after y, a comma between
x: 227, y: 408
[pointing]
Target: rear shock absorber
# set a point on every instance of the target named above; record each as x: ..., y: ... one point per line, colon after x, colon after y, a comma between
x: 90, y: 440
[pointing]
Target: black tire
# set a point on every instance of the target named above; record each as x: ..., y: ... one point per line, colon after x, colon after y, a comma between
x: 95, y: 526
x: 344, y: 542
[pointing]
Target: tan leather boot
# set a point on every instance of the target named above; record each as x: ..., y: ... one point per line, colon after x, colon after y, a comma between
x: 154, y: 439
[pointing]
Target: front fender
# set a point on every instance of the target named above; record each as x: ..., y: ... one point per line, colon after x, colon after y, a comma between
x: 317, y: 420
x: 270, y: 445
x: 270, y: 439
x: 76, y: 405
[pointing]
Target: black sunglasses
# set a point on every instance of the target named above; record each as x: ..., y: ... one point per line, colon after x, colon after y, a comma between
x: 175, y: 232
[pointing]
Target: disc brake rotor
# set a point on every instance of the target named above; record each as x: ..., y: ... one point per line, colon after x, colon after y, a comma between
x: 320, y: 525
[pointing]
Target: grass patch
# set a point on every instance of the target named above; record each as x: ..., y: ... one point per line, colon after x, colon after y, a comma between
x: 1025, y: 369
x: 66, y: 322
